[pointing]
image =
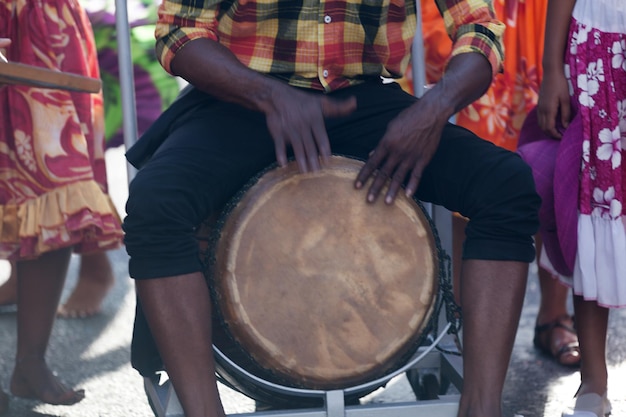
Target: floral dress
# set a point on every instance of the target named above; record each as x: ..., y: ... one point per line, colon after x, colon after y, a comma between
x: 595, y: 65
x: 53, y: 189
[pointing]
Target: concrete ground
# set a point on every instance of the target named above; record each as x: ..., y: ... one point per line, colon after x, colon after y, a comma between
x: 93, y: 354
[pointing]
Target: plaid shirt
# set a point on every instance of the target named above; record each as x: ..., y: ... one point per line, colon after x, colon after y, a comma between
x: 325, y: 45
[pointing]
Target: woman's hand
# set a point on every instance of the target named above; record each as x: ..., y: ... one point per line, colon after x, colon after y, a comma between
x: 553, y: 106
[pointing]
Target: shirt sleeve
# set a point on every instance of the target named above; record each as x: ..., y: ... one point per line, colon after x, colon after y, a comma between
x: 181, y: 21
x: 473, y: 27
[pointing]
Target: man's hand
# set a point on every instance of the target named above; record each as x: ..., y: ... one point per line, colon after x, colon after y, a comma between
x: 296, y: 119
x: 405, y: 150
x: 413, y: 136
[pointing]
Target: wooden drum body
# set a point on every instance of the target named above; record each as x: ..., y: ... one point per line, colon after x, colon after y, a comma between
x: 317, y: 289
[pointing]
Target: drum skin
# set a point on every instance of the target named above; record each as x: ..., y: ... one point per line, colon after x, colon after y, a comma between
x: 317, y: 287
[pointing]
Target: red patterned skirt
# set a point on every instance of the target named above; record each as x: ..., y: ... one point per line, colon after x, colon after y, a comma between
x: 53, y: 189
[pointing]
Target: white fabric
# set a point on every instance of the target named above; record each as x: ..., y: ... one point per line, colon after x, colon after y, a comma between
x: 605, y: 15
x: 600, y: 270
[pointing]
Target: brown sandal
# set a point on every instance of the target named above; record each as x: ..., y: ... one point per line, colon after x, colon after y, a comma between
x: 558, y: 340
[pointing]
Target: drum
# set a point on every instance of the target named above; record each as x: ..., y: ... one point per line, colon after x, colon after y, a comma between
x: 313, y: 287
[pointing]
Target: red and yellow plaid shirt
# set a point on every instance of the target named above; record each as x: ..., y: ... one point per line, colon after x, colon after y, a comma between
x: 328, y: 44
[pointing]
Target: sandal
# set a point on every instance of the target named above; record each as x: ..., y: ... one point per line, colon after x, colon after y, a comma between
x: 558, y: 340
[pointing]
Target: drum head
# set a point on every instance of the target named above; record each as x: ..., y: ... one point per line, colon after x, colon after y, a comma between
x: 321, y: 289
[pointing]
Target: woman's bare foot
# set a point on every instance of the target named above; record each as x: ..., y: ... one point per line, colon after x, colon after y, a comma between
x: 4, y: 402
x: 33, y: 380
x: 8, y: 290
x: 95, y: 279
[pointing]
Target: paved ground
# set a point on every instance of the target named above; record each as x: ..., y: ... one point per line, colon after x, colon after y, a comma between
x: 94, y: 354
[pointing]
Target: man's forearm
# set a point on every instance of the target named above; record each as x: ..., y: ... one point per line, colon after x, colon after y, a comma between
x: 215, y: 70
x: 467, y: 77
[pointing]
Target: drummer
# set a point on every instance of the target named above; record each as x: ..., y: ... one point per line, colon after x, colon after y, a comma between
x: 275, y: 79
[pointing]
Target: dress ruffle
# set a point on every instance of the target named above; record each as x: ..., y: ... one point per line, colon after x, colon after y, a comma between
x: 601, y: 254
x: 79, y: 215
x: 53, y: 185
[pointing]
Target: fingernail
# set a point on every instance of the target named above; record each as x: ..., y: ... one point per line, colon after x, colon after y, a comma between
x: 358, y: 184
x: 370, y: 198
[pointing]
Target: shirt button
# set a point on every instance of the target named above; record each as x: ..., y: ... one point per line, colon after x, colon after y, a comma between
x: 327, y: 19
x: 325, y: 73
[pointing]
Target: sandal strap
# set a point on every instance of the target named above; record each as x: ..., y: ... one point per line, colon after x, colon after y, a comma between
x: 543, y: 340
x: 558, y: 322
x: 567, y: 348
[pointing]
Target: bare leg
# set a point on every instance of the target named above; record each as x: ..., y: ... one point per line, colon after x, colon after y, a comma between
x: 592, y: 322
x: 559, y: 341
x: 95, y: 279
x: 39, y: 286
x: 554, y: 295
x: 8, y: 290
x: 492, y: 294
x: 179, y: 308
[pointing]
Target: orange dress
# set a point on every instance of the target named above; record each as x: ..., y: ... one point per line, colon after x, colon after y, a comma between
x: 53, y: 189
x: 499, y: 114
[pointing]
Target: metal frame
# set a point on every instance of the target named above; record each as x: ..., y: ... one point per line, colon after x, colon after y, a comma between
x: 127, y: 80
x: 440, y: 356
x: 443, y: 361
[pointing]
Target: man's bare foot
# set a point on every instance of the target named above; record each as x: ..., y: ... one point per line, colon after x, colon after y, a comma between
x: 4, y: 402
x: 95, y: 279
x: 33, y: 380
x: 8, y: 290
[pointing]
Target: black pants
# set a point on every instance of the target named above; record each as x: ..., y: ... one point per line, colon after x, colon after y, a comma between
x: 211, y: 149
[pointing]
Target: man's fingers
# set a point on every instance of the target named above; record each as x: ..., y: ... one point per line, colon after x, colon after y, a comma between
x: 281, y: 150
x: 396, y: 182
x: 321, y: 140
x: 369, y: 168
x: 311, y: 152
x: 300, y: 154
x: 414, y: 181
x: 392, y: 192
x: 380, y: 179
